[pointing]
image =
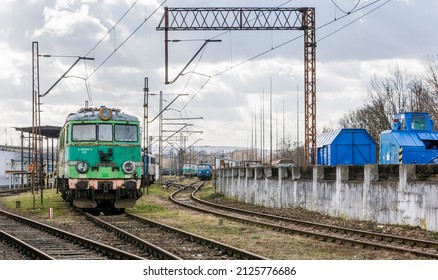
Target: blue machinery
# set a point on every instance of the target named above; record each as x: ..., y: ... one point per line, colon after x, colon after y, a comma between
x: 412, y: 140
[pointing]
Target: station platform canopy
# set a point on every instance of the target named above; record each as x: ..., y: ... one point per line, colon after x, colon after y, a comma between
x: 48, y: 131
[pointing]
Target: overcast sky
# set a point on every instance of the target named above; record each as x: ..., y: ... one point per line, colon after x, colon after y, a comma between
x: 225, y: 85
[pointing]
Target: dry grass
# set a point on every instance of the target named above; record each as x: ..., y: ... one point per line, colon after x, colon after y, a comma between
x: 268, y: 243
x: 156, y: 205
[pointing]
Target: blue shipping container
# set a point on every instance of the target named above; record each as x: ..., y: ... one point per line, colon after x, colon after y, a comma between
x: 346, y: 146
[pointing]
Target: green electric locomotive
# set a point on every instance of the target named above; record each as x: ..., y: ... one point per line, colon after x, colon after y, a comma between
x: 99, y: 159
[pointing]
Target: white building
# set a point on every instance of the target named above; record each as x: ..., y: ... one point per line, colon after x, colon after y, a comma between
x: 11, y: 165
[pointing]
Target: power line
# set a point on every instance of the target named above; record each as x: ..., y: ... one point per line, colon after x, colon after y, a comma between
x: 355, y: 6
x: 116, y: 48
x: 112, y: 28
x: 353, y: 11
x: 350, y: 23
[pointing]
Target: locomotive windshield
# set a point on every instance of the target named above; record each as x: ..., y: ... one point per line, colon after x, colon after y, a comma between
x: 84, y: 132
x: 125, y: 133
x: 419, y: 123
x: 104, y: 132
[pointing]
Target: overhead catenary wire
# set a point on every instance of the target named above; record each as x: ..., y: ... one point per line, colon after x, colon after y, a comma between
x: 353, y: 11
x: 340, y: 9
x: 272, y: 48
x: 350, y: 23
x: 116, y: 48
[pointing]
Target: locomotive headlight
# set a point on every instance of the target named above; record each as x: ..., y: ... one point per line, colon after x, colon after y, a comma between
x: 128, y: 167
x: 82, y: 166
x: 105, y: 113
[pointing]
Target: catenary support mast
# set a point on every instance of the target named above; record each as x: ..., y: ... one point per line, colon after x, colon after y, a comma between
x: 214, y: 18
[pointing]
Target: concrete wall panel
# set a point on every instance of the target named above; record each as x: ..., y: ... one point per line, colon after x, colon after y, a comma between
x: 403, y: 194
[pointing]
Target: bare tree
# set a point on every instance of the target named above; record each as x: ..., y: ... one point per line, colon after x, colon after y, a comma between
x: 396, y: 93
x: 371, y: 118
x: 291, y: 149
x: 432, y: 74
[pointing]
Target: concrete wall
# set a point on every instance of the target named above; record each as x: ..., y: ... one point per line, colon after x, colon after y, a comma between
x: 387, y: 194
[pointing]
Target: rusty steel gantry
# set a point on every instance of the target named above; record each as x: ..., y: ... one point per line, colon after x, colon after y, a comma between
x: 186, y: 19
x: 36, y: 166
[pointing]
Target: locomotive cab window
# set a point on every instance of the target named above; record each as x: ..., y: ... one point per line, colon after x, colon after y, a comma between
x: 125, y: 133
x: 84, y: 132
x: 61, y: 142
x: 105, y: 132
x: 419, y: 123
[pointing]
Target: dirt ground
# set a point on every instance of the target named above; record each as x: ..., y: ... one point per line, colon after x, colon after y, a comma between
x: 268, y: 243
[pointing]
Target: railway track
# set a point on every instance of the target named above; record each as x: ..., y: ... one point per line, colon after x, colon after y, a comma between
x: 46, y: 242
x: 423, y: 248
x: 142, y: 238
x: 10, y: 192
x: 12, y: 248
x: 180, y: 244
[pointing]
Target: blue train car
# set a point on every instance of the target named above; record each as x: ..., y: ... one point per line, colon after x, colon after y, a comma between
x: 204, y: 171
x: 149, y: 164
x: 346, y: 146
x: 411, y: 140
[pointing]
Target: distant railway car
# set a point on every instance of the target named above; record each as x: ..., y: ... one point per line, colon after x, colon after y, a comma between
x: 149, y: 165
x: 204, y: 171
x: 411, y: 140
x: 189, y: 170
x: 99, y: 159
x: 283, y: 162
x: 168, y: 171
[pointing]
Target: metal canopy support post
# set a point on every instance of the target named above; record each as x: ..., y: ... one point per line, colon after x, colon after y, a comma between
x: 212, y: 18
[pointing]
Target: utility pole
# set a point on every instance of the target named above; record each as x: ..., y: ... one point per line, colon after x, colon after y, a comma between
x: 252, y: 137
x: 36, y: 172
x: 255, y: 132
x: 262, y: 136
x: 270, y: 121
x: 145, y: 116
x: 160, y: 139
x: 37, y: 160
x: 309, y: 87
x: 298, y: 130
x: 283, y: 140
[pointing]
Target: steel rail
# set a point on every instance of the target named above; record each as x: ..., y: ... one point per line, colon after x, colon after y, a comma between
x: 23, y: 247
x: 84, y: 242
x: 150, y: 248
x: 349, y: 231
x: 9, y: 192
x: 318, y: 236
x: 230, y: 250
